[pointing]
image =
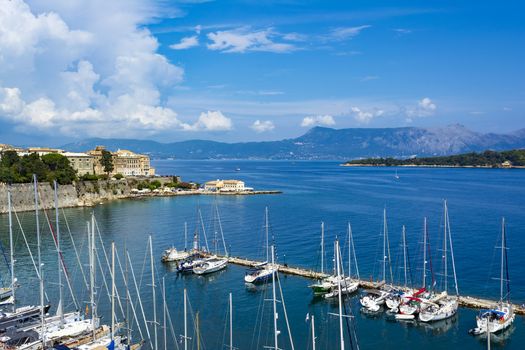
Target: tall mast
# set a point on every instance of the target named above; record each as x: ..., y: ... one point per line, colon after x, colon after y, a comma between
x: 185, y: 236
x: 339, y: 296
x: 92, y: 267
x: 313, y: 333
x: 185, y: 319
x: 405, y: 254
x: 197, y: 331
x: 445, y: 245
x: 349, y: 250
x: 384, y: 245
x: 164, y: 311
x: 502, y: 256
x: 424, y: 252
x: 153, y: 291
x: 59, y: 253
x: 11, y: 248
x: 40, y: 271
x: 266, y: 229
x: 231, y: 322
x: 322, y: 247
x: 112, y: 290
x: 274, y: 300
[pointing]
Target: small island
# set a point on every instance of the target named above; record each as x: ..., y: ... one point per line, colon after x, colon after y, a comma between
x: 487, y: 159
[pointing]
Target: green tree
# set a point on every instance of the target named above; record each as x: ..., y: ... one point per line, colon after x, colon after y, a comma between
x: 107, y: 162
x: 9, y: 158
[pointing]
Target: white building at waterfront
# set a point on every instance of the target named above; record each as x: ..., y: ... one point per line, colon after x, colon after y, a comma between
x: 225, y: 186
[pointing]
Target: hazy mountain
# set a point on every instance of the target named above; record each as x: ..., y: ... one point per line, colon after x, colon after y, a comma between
x: 326, y: 143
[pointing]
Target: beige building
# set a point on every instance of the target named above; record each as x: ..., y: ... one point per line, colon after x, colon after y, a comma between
x: 125, y: 162
x: 83, y: 163
x: 225, y: 186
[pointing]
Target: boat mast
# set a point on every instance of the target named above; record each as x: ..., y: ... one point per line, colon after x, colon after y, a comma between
x: 185, y: 320
x: 313, y: 333
x: 405, y: 254
x: 231, y: 322
x: 222, y: 232
x: 59, y: 253
x: 339, y: 296
x: 112, y: 290
x: 153, y: 291
x: 445, y: 245
x: 11, y: 248
x: 353, y: 250
x: 197, y: 331
x: 384, y: 245
x: 349, y: 251
x: 424, y: 252
x: 266, y: 229
x: 92, y: 263
x: 452, y: 257
x: 274, y: 300
x: 40, y: 271
x: 502, y: 258
x: 164, y: 312
x: 185, y: 236
x: 322, y: 247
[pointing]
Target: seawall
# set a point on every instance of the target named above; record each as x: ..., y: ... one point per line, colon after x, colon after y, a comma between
x: 78, y: 194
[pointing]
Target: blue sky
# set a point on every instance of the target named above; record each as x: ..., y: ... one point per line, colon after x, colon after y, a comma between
x: 256, y: 70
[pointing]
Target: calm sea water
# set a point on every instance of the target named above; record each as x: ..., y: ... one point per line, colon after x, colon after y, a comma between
x: 312, y: 192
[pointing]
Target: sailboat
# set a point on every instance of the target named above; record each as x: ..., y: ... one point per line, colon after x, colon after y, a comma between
x: 172, y: 254
x: 374, y: 298
x: 502, y: 315
x: 214, y: 263
x: 348, y: 284
x: 262, y: 272
x: 443, y: 306
x: 398, y: 296
x: 412, y: 304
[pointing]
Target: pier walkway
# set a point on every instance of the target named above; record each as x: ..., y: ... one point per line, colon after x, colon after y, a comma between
x: 464, y: 301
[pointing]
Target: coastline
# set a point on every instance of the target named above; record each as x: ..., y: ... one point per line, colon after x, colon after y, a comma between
x: 431, y: 166
x: 92, y: 193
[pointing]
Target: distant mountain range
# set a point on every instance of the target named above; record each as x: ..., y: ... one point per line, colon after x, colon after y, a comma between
x: 326, y: 143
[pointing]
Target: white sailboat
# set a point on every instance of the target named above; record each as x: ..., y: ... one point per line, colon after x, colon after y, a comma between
x: 443, y: 306
x: 214, y: 263
x: 399, y: 296
x: 173, y: 255
x: 348, y: 284
x: 502, y: 315
x: 373, y: 299
x: 262, y: 272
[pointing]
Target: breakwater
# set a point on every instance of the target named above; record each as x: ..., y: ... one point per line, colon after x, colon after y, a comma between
x: 464, y: 301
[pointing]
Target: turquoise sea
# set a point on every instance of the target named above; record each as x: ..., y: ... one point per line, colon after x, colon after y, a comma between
x: 312, y: 192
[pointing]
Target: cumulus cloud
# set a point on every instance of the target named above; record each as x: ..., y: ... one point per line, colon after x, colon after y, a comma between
x: 186, y: 43
x: 104, y: 77
x: 210, y: 121
x: 244, y: 40
x: 365, y: 116
x: 424, y: 108
x: 263, y: 125
x: 326, y: 120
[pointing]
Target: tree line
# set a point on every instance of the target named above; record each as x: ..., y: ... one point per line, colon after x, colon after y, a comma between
x: 482, y: 159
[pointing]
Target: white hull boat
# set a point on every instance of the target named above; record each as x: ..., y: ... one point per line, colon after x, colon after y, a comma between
x: 172, y: 254
x: 347, y: 287
x: 494, y: 321
x: 444, y: 309
x: 260, y: 274
x: 209, y: 265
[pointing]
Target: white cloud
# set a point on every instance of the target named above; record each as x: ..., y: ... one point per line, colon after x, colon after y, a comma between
x: 344, y: 33
x: 507, y: 109
x: 425, y: 108
x: 365, y: 117
x: 244, y: 40
x: 85, y: 68
x: 263, y: 125
x: 186, y: 43
x: 402, y: 31
x: 210, y: 121
x: 369, y: 78
x: 326, y: 120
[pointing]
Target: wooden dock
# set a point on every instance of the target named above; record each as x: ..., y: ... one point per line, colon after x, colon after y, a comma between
x: 464, y: 301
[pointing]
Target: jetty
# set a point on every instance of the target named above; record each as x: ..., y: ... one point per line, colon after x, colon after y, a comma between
x: 464, y: 301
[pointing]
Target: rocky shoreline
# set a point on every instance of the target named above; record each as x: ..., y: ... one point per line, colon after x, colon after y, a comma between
x: 91, y: 193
